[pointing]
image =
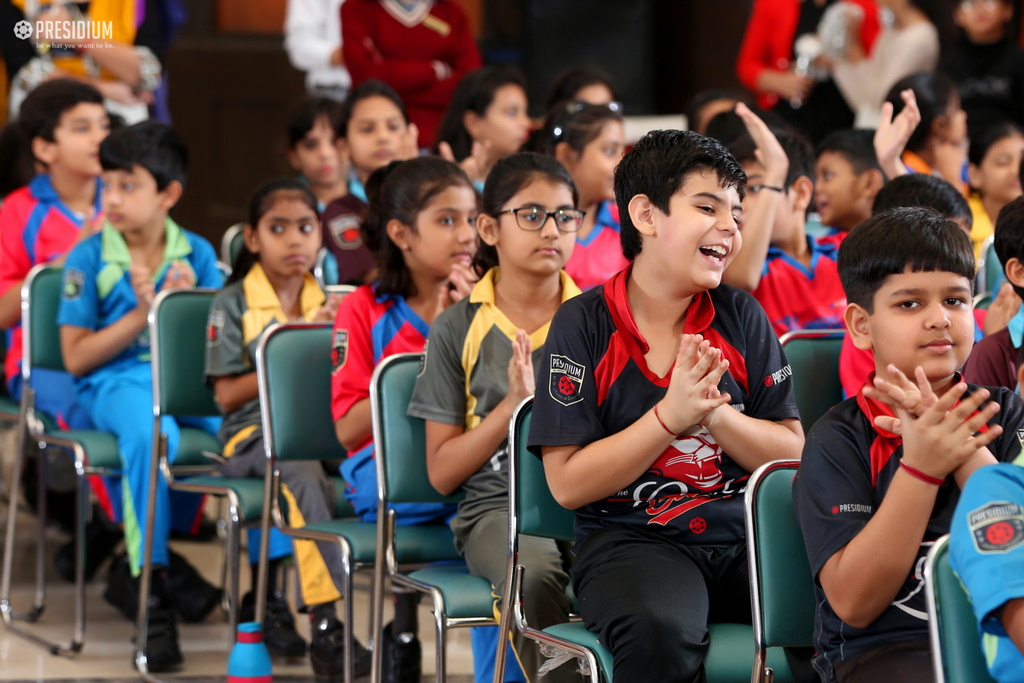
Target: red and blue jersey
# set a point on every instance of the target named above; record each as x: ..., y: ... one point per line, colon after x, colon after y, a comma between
x: 367, y: 329
x: 36, y: 226
x: 798, y: 297
x: 594, y: 382
x: 598, y: 256
x: 833, y: 237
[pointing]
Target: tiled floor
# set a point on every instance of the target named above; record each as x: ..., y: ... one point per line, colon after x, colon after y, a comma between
x: 108, y: 649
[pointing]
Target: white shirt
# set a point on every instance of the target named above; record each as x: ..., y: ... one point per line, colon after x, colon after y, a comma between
x: 312, y: 32
x: 897, y: 53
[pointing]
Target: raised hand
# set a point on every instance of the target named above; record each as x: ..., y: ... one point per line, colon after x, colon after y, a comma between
x: 521, y: 380
x: 689, y: 399
x: 329, y: 311
x: 769, y: 152
x: 892, y: 135
x: 477, y: 165
x: 179, y: 277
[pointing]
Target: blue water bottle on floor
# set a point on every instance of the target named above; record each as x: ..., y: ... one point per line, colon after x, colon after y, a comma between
x: 249, y: 661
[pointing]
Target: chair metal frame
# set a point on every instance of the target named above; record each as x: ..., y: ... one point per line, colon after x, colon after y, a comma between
x: 829, y: 332
x: 30, y: 428
x: 762, y: 673
x: 272, y: 502
x: 234, y: 517
x: 982, y: 285
x: 386, y: 565
x: 320, y: 272
x: 512, y: 601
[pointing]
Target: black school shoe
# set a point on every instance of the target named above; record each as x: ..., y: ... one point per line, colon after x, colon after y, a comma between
x: 191, y: 594
x: 402, y: 657
x: 122, y: 588
x: 100, y: 540
x: 162, y: 652
x: 327, y: 652
x: 279, y: 634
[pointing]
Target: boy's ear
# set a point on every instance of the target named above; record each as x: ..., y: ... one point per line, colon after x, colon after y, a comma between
x: 44, y: 150
x: 398, y: 232
x: 1014, y: 270
x: 858, y: 326
x: 801, y: 194
x: 171, y: 195
x: 641, y: 213
x: 487, y: 228
x: 870, y: 182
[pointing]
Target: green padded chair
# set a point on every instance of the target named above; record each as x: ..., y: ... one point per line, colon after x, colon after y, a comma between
x: 326, y: 269
x: 231, y: 243
x: 459, y: 598
x: 813, y: 356
x: 293, y: 365
x: 94, y: 452
x: 781, y: 585
x: 956, y: 645
x: 534, y: 511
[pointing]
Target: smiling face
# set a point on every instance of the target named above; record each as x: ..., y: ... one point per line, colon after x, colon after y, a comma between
x: 316, y: 156
x: 76, y: 140
x: 374, y: 135
x: 287, y: 237
x: 920, y: 319
x: 445, y: 233
x: 997, y: 178
x: 542, y: 252
x: 698, y: 237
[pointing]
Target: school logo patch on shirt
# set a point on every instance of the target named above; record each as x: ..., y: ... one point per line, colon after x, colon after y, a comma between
x: 997, y: 527
x: 215, y: 327
x: 346, y: 232
x: 566, y: 380
x: 74, y: 280
x: 339, y: 349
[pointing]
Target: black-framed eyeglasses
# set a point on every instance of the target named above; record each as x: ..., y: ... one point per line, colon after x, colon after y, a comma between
x: 563, y: 121
x: 533, y: 218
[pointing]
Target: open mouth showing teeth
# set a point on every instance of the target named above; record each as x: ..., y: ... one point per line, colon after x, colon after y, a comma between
x: 715, y: 251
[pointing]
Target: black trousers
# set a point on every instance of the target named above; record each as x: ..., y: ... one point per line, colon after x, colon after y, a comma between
x: 650, y: 600
x: 906, y: 662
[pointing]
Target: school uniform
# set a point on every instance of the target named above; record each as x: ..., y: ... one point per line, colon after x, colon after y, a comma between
x: 118, y: 396
x: 464, y: 377
x: 799, y: 297
x: 657, y: 559
x: 598, y: 256
x: 341, y: 235
x: 987, y: 542
x: 848, y: 465
x: 993, y: 360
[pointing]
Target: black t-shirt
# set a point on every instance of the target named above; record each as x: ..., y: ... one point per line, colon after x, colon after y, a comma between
x: 593, y: 382
x: 847, y: 467
x: 990, y: 81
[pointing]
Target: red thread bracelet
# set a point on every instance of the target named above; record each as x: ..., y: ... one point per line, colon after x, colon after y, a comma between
x: 662, y: 422
x: 918, y: 474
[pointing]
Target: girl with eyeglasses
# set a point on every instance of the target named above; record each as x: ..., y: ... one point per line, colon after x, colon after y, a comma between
x: 588, y: 140
x: 479, y: 366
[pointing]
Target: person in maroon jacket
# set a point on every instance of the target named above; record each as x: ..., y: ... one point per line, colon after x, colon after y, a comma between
x: 421, y: 48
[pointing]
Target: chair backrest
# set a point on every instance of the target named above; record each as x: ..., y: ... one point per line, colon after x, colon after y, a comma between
x: 399, y: 441
x: 782, y: 587
x: 993, y: 268
x: 40, y: 302
x: 535, y: 510
x: 326, y: 268
x: 813, y: 356
x: 293, y: 366
x: 231, y: 243
x: 178, y: 329
x: 956, y: 645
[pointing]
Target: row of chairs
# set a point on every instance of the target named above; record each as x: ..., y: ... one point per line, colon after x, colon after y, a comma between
x: 294, y: 378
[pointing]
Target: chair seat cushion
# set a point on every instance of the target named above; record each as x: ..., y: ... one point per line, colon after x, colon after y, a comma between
x: 248, y: 491
x: 100, y: 447
x: 9, y: 407
x: 194, y: 442
x: 730, y: 657
x: 465, y: 596
x: 420, y: 543
x: 342, y: 508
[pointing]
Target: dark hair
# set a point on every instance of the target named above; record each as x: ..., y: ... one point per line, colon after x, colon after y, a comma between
x: 17, y: 166
x: 41, y: 111
x: 1009, y: 236
x: 570, y: 82
x: 922, y: 190
x: 796, y: 147
x: 697, y: 103
x: 400, y: 191
x: 727, y: 126
x: 856, y: 145
x: 365, y: 91
x: 657, y: 166
x: 150, y: 144
x: 263, y: 201
x: 888, y: 243
x: 305, y: 115
x: 982, y: 141
x: 934, y: 92
x: 508, y: 177
x: 475, y: 93
x: 575, y: 123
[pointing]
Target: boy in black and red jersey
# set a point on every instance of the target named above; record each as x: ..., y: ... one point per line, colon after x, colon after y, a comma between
x: 882, y: 471
x: 658, y: 394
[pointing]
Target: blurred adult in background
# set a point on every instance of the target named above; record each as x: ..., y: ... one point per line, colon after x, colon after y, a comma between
x: 312, y: 39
